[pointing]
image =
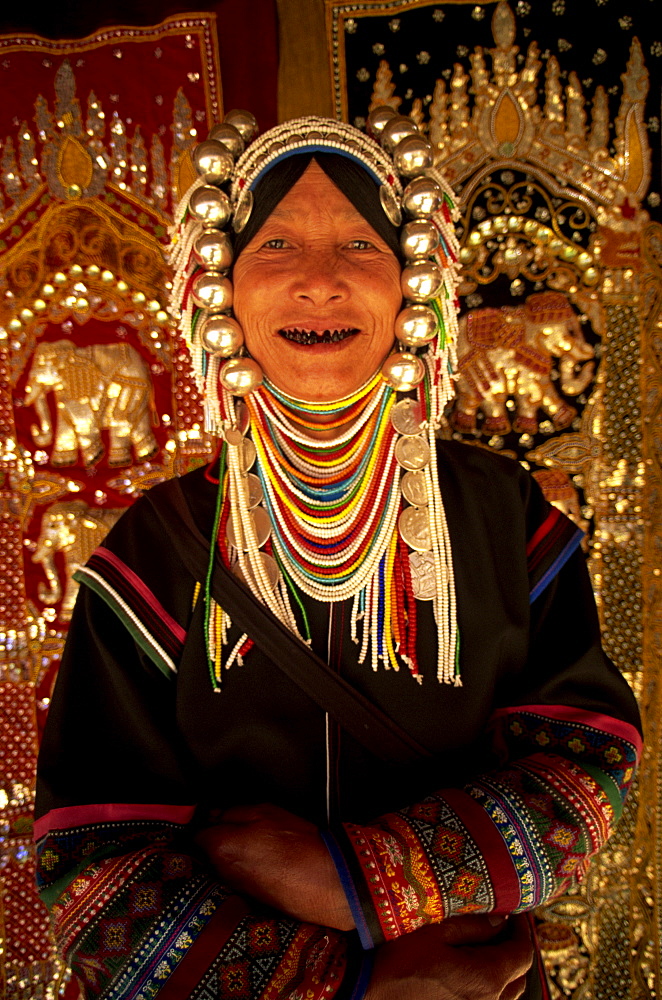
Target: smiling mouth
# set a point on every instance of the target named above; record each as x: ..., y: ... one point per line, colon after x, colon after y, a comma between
x: 309, y: 337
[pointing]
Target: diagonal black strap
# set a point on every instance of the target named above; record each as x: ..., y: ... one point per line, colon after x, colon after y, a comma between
x: 353, y: 711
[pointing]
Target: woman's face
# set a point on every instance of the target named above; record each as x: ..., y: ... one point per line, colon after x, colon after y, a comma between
x: 316, y: 292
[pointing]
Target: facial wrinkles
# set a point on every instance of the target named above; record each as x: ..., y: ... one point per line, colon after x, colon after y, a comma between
x: 315, y: 280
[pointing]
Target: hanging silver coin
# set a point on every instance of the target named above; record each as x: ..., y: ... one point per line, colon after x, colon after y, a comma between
x: 407, y: 417
x: 242, y: 416
x: 262, y: 525
x: 412, y: 453
x: 261, y: 528
x: 270, y: 567
x: 242, y: 212
x: 414, y: 528
x: 248, y: 455
x: 255, y: 491
x: 390, y: 204
x: 414, y: 489
x: 423, y: 579
x: 233, y: 436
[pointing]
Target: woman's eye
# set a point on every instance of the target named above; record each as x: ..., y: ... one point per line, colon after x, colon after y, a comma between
x: 359, y: 245
x: 277, y: 243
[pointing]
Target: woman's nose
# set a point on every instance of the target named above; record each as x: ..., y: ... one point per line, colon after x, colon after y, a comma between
x: 319, y: 279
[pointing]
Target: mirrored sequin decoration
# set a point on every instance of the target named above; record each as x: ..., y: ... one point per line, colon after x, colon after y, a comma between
x: 549, y: 134
x: 96, y: 401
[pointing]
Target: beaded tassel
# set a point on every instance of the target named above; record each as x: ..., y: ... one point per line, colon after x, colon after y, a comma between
x: 333, y: 506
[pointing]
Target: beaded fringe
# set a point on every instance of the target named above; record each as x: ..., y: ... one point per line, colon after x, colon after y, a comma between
x: 378, y: 623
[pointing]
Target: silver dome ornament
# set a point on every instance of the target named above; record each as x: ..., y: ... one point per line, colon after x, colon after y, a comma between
x: 378, y: 118
x: 418, y: 239
x: 421, y: 280
x: 244, y: 122
x: 403, y: 371
x: 412, y: 156
x: 240, y: 376
x: 213, y: 250
x: 416, y: 325
x: 210, y: 205
x: 229, y: 136
x: 422, y: 197
x: 213, y: 161
x: 210, y: 290
x: 221, y: 335
x: 395, y: 130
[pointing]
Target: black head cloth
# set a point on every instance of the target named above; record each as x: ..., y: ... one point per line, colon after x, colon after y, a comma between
x: 348, y: 176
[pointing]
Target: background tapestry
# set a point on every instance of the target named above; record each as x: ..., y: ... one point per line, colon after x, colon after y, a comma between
x: 96, y: 403
x: 545, y: 118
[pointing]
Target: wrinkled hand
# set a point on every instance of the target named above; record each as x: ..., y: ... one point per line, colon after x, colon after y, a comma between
x: 280, y: 859
x: 459, y: 959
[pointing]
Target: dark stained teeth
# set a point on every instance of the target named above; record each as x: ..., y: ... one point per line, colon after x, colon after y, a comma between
x: 311, y: 337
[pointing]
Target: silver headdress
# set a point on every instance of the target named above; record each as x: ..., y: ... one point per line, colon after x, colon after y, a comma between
x: 399, y: 159
x: 230, y: 163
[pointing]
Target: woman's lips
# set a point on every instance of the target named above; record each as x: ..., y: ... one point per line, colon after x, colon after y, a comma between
x: 312, y: 337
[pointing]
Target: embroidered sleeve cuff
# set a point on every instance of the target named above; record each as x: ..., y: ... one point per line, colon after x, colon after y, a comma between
x: 349, y: 887
x: 436, y: 859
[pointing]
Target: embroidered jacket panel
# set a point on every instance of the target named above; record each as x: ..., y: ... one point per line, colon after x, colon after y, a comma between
x: 532, y: 757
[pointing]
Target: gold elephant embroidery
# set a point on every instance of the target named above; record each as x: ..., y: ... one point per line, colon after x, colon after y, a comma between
x: 101, y: 386
x: 509, y: 353
x: 75, y: 529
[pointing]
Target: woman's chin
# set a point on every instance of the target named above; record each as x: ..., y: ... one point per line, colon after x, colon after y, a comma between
x: 322, y: 372
x: 319, y: 386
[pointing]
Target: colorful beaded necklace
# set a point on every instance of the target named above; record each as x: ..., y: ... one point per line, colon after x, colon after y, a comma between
x: 333, y: 505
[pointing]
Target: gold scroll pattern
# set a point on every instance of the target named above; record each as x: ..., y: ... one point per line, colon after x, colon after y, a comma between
x: 559, y: 360
x: 96, y: 405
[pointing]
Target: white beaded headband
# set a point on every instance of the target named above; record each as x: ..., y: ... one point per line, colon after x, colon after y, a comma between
x: 202, y: 253
x: 307, y: 135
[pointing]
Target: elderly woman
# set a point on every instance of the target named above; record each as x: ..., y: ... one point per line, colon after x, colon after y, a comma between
x: 333, y: 712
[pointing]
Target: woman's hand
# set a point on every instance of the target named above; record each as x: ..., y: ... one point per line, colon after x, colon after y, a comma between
x: 268, y: 853
x: 459, y: 959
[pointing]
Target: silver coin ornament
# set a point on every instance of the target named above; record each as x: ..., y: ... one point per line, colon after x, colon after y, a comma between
x: 402, y: 371
x: 248, y: 455
x: 255, y: 491
x: 244, y: 122
x: 423, y: 576
x: 243, y: 211
x: 261, y: 525
x: 412, y: 453
x: 210, y: 290
x: 234, y: 432
x: 221, y: 335
x: 407, y: 417
x: 213, y: 161
x: 210, y: 205
x: 422, y: 197
x: 233, y: 436
x: 421, y: 280
x: 242, y: 416
x: 229, y: 136
x: 390, y: 204
x: 412, y: 155
x: 416, y: 325
x: 213, y: 250
x: 413, y: 487
x: 395, y: 130
x: 378, y: 118
x: 419, y: 239
x: 414, y: 528
x: 240, y: 376
x: 270, y: 567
